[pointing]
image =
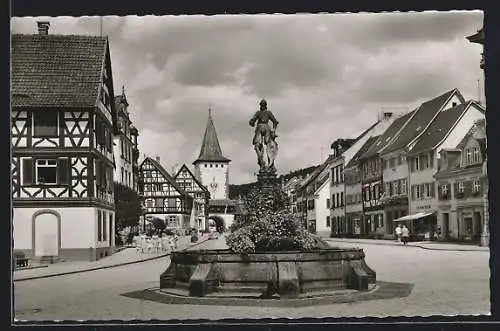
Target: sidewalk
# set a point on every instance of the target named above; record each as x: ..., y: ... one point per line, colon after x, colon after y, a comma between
x: 123, y: 257
x: 431, y: 245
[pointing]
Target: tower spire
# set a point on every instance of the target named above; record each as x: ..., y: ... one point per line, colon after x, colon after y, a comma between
x: 210, y: 147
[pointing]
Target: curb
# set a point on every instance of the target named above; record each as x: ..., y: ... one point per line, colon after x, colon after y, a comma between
x: 409, y: 245
x: 104, y: 267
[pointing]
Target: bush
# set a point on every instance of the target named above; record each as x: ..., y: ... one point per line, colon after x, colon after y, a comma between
x: 269, y: 226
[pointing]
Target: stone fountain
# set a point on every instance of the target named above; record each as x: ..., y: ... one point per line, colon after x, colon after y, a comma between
x: 269, y: 254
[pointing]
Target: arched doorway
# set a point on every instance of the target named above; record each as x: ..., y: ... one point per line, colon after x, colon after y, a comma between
x: 46, y: 234
x: 218, y: 223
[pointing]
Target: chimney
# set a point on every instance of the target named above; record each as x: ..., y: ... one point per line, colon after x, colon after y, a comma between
x: 387, y: 115
x: 43, y: 27
x: 157, y: 158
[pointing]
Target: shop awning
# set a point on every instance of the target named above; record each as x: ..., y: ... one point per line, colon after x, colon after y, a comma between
x: 412, y: 217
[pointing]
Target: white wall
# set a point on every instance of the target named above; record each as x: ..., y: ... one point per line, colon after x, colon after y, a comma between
x: 78, y: 227
x: 218, y: 173
x: 461, y: 129
x: 322, y: 211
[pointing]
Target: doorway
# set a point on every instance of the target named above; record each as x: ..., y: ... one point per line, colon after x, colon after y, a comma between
x: 46, y: 235
x: 446, y: 226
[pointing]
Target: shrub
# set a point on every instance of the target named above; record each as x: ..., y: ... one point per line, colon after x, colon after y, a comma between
x: 269, y: 226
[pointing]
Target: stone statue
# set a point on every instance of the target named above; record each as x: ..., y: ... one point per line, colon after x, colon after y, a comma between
x: 264, y: 140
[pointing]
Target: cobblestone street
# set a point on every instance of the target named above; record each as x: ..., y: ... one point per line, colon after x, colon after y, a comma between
x: 446, y: 283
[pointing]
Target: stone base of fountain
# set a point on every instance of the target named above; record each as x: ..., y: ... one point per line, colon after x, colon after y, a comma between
x: 283, y: 274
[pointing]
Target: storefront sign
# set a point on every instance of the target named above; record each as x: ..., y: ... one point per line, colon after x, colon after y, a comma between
x: 424, y: 207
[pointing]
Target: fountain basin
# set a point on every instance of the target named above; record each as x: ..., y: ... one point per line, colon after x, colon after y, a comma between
x: 287, y: 274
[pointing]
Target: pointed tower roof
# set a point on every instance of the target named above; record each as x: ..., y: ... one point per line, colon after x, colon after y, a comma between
x: 210, y: 147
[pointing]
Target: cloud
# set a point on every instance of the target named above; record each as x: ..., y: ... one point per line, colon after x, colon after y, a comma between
x: 324, y: 76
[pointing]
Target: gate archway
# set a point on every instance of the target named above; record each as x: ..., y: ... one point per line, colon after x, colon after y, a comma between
x: 220, y: 224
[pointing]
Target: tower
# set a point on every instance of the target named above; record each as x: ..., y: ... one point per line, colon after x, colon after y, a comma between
x: 211, y: 167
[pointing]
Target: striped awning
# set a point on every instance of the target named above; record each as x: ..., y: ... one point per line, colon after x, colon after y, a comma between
x: 412, y: 217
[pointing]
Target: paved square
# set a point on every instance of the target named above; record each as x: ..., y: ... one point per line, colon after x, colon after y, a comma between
x: 445, y: 283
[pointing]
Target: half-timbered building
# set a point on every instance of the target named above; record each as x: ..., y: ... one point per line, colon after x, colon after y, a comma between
x: 163, y: 197
x: 187, y: 181
x: 63, y: 118
x: 125, y: 145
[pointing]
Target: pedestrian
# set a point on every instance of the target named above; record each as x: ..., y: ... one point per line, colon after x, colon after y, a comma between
x: 398, y: 233
x: 405, y: 234
x: 171, y: 243
x: 176, y: 239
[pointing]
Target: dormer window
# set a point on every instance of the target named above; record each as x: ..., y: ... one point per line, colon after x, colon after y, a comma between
x: 468, y: 156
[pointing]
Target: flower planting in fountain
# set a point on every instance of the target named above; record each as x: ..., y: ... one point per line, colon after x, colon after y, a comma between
x: 269, y: 226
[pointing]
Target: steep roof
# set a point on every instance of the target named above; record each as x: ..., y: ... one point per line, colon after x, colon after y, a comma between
x: 439, y: 128
x: 385, y: 138
x: 420, y: 120
x: 368, y: 144
x: 57, y: 70
x: 203, y: 187
x: 316, y: 172
x: 210, y: 147
x: 167, y: 176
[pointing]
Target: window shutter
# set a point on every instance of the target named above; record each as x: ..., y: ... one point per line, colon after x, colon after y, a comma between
x: 433, y: 188
x: 412, y: 192
x: 63, y: 171
x: 28, y: 172
x: 448, y: 186
x: 431, y: 159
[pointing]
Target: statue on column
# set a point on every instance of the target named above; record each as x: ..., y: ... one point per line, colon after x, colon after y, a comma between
x: 264, y: 140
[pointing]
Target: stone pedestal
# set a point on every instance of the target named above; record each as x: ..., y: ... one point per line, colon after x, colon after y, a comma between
x: 266, y: 178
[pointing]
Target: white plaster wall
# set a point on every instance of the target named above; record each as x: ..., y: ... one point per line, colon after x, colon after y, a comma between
x: 78, y: 227
x: 338, y: 188
x: 322, y: 211
x: 462, y: 127
x: 215, y: 174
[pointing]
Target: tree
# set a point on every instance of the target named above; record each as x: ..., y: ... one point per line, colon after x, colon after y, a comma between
x: 128, y: 207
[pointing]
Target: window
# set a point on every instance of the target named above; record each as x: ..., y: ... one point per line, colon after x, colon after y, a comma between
x: 417, y: 192
x: 477, y: 186
x: 122, y: 174
x: 341, y: 198
x: 46, y: 172
x: 211, y: 165
x: 444, y: 190
x: 327, y: 203
x: 417, y: 163
x: 328, y: 221
x: 149, y: 203
x: 111, y: 226
x: 468, y: 156
x: 159, y: 202
x: 205, y: 165
x: 172, y: 221
x: 222, y: 166
x: 45, y: 123
x: 475, y: 153
x: 461, y: 187
x: 404, y: 187
x: 375, y: 192
x: 380, y: 222
x: 171, y: 203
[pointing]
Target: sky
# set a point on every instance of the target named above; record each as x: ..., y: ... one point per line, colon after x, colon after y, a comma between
x: 324, y: 76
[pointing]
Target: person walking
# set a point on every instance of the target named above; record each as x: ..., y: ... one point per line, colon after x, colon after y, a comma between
x: 171, y: 243
x: 398, y: 233
x: 405, y: 234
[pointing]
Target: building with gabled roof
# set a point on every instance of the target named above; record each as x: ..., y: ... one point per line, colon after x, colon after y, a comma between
x: 164, y: 198
x: 462, y: 188
x: 187, y: 180
x: 354, y: 218
x: 446, y: 131
x: 63, y: 120
x: 212, y: 171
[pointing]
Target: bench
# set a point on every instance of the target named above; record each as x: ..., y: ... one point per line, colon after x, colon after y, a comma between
x: 21, y: 260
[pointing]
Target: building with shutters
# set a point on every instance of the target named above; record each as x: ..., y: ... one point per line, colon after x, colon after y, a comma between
x: 125, y: 148
x: 462, y: 188
x: 63, y: 119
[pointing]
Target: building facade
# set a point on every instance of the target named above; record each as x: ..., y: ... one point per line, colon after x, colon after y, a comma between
x: 63, y: 119
x: 187, y: 181
x: 462, y: 189
x: 163, y: 198
x: 125, y: 145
